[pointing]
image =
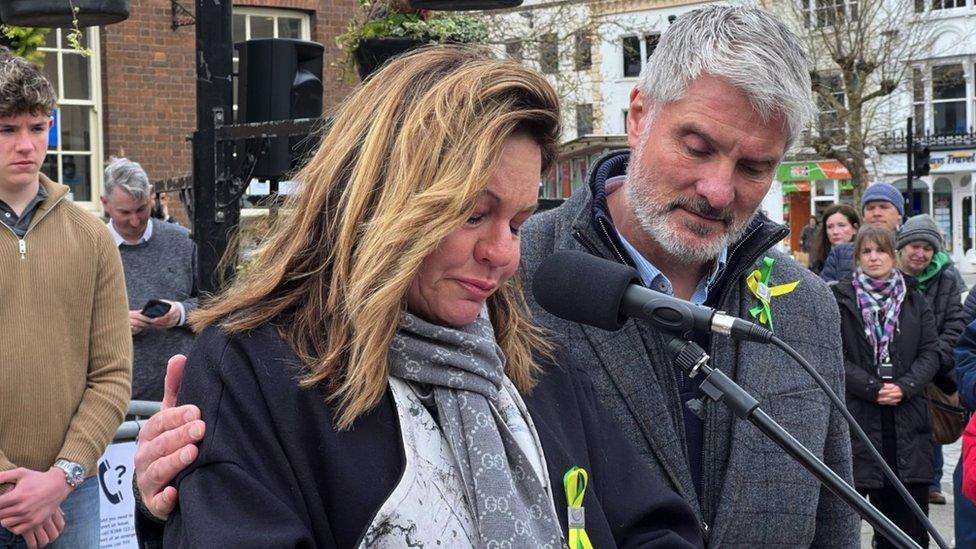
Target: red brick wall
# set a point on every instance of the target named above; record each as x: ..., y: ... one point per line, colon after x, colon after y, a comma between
x: 148, y: 78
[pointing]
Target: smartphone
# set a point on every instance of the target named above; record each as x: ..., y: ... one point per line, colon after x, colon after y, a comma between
x: 155, y: 308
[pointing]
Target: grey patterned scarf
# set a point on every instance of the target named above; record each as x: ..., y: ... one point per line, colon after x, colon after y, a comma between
x: 466, y: 367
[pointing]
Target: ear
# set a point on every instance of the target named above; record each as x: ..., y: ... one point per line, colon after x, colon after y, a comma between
x: 104, y: 201
x: 635, y: 117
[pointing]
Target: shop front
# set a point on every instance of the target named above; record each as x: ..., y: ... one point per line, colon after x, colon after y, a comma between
x: 947, y: 194
x: 809, y: 188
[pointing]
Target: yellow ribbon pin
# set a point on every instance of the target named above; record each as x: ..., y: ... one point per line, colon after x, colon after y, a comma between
x: 574, y: 481
x: 758, y: 283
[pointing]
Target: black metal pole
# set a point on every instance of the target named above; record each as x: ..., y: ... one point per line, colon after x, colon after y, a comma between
x: 719, y: 387
x: 212, y: 226
x: 911, y: 167
x: 829, y: 478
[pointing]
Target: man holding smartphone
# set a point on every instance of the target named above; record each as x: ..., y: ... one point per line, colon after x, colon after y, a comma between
x: 65, y: 354
x: 159, y: 260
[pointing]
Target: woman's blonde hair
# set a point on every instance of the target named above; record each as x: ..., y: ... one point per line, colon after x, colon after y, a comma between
x: 406, y: 158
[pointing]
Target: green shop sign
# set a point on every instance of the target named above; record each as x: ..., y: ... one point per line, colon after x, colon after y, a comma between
x: 820, y: 170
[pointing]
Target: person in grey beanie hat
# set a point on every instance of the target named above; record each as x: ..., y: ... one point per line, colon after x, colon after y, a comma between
x: 921, y: 255
x: 920, y: 228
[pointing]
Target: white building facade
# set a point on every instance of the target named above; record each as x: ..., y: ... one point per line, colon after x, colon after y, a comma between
x: 939, y: 91
x: 940, y: 96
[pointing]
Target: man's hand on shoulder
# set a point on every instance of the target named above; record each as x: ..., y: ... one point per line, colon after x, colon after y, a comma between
x: 167, y: 445
x: 34, y: 499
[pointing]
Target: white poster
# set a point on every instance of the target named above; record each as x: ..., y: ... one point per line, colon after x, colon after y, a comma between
x: 118, y: 504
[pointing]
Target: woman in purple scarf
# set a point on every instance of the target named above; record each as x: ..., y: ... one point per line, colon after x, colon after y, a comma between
x: 890, y: 356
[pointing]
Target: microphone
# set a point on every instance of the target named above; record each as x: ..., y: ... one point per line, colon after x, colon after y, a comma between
x: 583, y: 288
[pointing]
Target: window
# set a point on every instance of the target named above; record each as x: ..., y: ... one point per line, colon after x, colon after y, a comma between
x: 513, y: 50
x: 584, y: 119
x: 918, y: 102
x: 650, y: 44
x: 74, y: 155
x: 637, y: 50
x: 253, y: 23
x: 584, y: 58
x: 549, y: 187
x: 829, y: 93
x: 625, y: 113
x: 938, y: 4
x: 827, y: 13
x: 549, y: 53
x: 948, y: 99
x: 632, y: 56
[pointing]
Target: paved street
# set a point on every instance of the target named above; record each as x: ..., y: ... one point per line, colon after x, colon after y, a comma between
x: 940, y: 515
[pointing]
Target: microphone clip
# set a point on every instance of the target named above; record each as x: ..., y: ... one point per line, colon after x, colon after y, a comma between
x: 690, y: 357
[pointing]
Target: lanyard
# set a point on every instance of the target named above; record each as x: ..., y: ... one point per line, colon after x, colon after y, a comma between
x: 574, y: 481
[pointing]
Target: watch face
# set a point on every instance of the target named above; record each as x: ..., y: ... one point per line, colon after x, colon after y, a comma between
x: 74, y: 473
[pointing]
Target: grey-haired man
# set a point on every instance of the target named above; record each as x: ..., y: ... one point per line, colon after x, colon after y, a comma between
x: 159, y: 259
x: 718, y: 105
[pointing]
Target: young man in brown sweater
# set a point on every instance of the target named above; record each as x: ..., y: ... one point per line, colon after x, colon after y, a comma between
x: 65, y: 349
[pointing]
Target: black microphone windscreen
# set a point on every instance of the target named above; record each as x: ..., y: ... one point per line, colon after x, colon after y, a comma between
x: 583, y: 288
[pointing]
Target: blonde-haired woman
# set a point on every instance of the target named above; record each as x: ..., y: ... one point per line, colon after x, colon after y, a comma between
x: 373, y: 381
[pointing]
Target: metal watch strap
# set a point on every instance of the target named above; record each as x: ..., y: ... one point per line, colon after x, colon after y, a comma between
x: 74, y: 473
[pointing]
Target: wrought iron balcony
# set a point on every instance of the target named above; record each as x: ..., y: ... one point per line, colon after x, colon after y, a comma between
x: 897, y: 141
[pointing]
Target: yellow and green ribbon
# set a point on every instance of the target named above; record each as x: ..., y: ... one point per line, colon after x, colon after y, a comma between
x: 758, y: 283
x: 574, y: 481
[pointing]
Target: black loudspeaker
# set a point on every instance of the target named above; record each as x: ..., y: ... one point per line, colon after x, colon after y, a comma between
x: 57, y: 13
x: 279, y: 79
x: 463, y: 5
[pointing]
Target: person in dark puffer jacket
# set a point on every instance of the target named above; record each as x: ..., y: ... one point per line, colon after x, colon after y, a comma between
x: 890, y: 356
x: 969, y: 308
x: 921, y: 256
x: 964, y: 509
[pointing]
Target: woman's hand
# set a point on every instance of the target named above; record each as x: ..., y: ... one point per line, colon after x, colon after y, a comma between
x: 167, y: 445
x: 890, y: 395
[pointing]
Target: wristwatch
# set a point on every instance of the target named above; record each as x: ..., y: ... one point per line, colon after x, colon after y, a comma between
x: 74, y: 473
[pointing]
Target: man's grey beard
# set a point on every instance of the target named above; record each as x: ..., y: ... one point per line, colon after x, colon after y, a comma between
x: 654, y: 218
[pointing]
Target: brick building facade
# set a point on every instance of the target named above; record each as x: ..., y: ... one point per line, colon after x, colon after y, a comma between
x: 141, y: 98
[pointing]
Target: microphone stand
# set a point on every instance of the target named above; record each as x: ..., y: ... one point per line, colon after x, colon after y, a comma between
x: 718, y: 387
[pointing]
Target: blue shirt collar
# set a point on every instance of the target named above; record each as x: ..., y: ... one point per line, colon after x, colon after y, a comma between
x: 653, y: 277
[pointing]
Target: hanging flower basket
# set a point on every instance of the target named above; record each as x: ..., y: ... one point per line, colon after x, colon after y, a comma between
x: 58, y: 13
x: 462, y: 5
x: 373, y: 52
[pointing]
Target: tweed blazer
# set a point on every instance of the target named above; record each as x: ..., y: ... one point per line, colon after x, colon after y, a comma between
x: 753, y: 494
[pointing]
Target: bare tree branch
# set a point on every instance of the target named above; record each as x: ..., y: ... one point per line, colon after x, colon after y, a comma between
x: 861, y: 51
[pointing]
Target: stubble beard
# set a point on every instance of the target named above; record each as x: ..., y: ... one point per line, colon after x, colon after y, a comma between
x: 655, y: 218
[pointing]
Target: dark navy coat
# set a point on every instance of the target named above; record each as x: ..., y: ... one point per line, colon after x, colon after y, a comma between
x: 273, y: 472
